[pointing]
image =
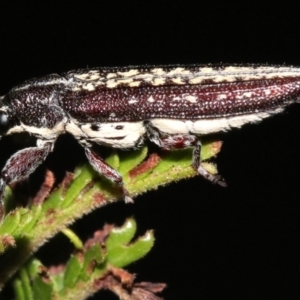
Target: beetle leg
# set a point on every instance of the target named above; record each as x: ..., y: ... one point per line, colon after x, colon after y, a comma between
x: 202, y: 171
x: 182, y: 141
x: 21, y: 164
x: 106, y: 170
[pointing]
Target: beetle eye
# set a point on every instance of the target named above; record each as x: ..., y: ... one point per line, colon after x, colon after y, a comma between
x: 4, y: 122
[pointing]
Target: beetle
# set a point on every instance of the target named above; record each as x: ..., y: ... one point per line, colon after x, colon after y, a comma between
x: 120, y: 107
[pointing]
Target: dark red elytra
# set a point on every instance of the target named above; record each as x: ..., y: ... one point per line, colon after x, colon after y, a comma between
x: 188, y: 101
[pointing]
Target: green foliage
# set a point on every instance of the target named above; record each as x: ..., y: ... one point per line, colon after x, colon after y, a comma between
x: 24, y: 230
x: 75, y: 279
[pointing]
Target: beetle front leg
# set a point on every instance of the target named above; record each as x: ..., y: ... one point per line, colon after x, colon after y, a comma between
x: 106, y: 170
x: 21, y: 164
x: 183, y: 141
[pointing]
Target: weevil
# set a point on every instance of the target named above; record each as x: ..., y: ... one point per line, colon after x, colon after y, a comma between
x: 173, y: 106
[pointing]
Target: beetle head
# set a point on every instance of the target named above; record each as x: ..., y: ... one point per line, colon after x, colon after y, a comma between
x: 6, y: 120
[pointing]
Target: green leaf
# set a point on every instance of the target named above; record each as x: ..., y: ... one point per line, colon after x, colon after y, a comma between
x: 73, y: 238
x: 83, y: 175
x: 11, y: 222
x: 170, y: 159
x: 72, y: 272
x: 53, y: 203
x: 131, y: 159
x: 42, y: 290
x: 119, y: 252
x: 35, y: 214
x: 19, y: 292
x: 57, y: 281
x: 210, y: 149
x: 121, y: 235
x: 31, y: 284
x: 113, y: 160
x: 126, y: 254
x: 98, y: 257
x: 92, y: 256
x: 34, y: 268
x: 26, y: 217
x: 26, y: 285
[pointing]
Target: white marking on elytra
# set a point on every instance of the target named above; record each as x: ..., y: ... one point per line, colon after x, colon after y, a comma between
x: 151, y: 99
x: 196, y: 80
x: 190, y: 98
x: 244, y: 95
x: 248, y: 94
x: 222, y: 97
x: 77, y: 88
x: 267, y: 92
x: 135, y: 83
x: 89, y: 86
x: 228, y: 78
x: 90, y: 76
x: 111, y: 83
x: 124, y: 81
x: 132, y: 100
x: 206, y: 70
x: 177, y: 80
x: 158, y: 81
x: 158, y: 71
x: 177, y: 71
x: 129, y: 73
x: 81, y: 76
x: 94, y: 77
x: 180, y: 76
x: 111, y: 75
x: 177, y: 98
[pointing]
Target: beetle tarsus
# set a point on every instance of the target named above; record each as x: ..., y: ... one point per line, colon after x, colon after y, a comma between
x: 217, y: 179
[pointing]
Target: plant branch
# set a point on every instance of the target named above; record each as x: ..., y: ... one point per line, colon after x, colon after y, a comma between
x: 24, y: 230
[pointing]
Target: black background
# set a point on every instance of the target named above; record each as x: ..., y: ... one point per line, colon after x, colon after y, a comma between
x: 240, y: 242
